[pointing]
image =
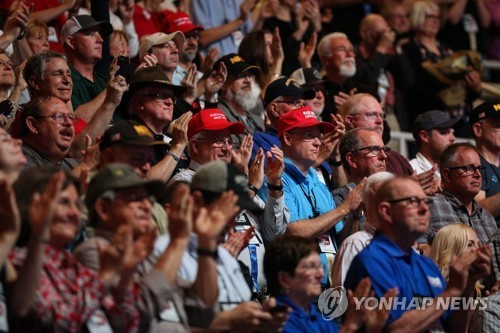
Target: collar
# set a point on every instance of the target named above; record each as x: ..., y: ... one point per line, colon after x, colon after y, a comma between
x: 193, y: 165
x: 425, y: 164
x: 457, y: 204
x: 296, y: 174
x: 389, y: 247
x: 297, y: 310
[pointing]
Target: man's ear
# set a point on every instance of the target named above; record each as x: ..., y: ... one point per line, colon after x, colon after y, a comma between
x: 477, y: 129
x: 70, y: 42
x: 424, y: 137
x: 101, y: 208
x: 445, y: 175
x: 287, y: 139
x: 31, y: 124
x: 350, y: 160
x: 34, y: 83
x: 384, y: 212
x: 348, y: 122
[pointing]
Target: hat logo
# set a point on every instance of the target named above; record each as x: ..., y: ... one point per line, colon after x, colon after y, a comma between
x: 236, y: 59
x: 119, y: 173
x: 309, y: 114
x: 496, y: 107
x: 290, y: 80
x: 142, y: 130
x: 218, y: 116
x: 182, y: 21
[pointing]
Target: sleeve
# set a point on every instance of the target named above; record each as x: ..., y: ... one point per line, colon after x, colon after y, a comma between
x: 123, y: 313
x: 348, y: 250
x: 133, y: 39
x: 275, y: 218
x: 88, y: 254
x: 290, y: 201
x: 200, y: 13
x: 368, y: 71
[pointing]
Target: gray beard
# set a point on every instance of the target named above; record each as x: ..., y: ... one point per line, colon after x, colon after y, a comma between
x: 247, y: 101
x: 187, y: 57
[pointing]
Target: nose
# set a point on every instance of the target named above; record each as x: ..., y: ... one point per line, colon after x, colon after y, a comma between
x: 145, y: 168
x: 452, y: 138
x: 382, y: 155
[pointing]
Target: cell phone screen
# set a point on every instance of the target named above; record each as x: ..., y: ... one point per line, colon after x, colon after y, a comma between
x: 124, y: 64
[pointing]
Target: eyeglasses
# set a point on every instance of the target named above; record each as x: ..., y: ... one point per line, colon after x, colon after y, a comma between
x: 371, y: 115
x: 412, y: 201
x: 374, y: 150
x: 192, y: 35
x: 160, y: 96
x: 60, y: 118
x: 294, y: 104
x: 9, y: 64
x: 469, y: 170
x: 218, y: 142
x: 307, y: 136
x: 312, y: 267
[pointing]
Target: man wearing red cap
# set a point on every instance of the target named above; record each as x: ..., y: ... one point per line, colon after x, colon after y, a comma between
x: 180, y: 21
x: 312, y: 210
x: 209, y: 134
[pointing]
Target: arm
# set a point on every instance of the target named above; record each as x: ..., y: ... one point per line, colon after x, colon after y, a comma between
x: 15, y: 24
x: 484, y: 13
x: 456, y: 11
x: 491, y: 204
x: 47, y: 15
x: 208, y: 36
x: 41, y: 212
x: 321, y: 224
x: 9, y: 214
x: 164, y: 169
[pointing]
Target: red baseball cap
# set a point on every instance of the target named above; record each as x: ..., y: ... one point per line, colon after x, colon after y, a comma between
x: 212, y: 120
x: 299, y: 118
x: 179, y: 21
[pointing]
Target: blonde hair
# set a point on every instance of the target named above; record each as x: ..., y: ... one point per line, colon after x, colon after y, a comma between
x: 418, y: 12
x: 33, y: 27
x: 450, y: 241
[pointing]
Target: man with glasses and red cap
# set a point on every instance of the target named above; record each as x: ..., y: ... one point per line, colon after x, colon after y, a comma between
x: 313, y: 213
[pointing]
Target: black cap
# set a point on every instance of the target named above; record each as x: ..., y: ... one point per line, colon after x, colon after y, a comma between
x: 434, y: 119
x: 116, y: 176
x: 485, y: 110
x: 218, y: 176
x: 84, y: 22
x: 307, y: 77
x: 129, y: 132
x: 235, y: 64
x: 286, y: 86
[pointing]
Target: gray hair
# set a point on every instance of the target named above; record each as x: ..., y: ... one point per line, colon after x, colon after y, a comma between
x: 36, y: 65
x: 324, y: 45
x: 375, y: 179
x: 350, y: 143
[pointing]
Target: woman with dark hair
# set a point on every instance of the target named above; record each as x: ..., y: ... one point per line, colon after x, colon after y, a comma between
x: 294, y: 272
x: 263, y: 49
x: 63, y: 295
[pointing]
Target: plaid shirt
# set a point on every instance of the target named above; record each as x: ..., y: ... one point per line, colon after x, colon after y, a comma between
x: 68, y: 294
x: 446, y: 209
x: 487, y: 320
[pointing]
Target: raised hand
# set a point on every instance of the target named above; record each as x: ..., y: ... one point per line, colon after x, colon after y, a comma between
x: 9, y: 212
x: 256, y: 170
x: 180, y: 214
x: 209, y: 60
x: 354, y: 198
x: 237, y: 241
x: 43, y: 207
x: 190, y: 80
x: 430, y: 184
x: 306, y: 52
x: 241, y: 158
x: 149, y: 60
x: 212, y: 220
x: 246, y: 8
x: 18, y: 19
x: 215, y: 81
x: 312, y: 13
x: 277, y: 49
x: 179, y: 129
x: 275, y: 163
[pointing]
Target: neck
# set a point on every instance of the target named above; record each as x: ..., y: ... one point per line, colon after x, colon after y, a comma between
x: 427, y: 40
x: 300, y: 300
x: 54, y: 157
x: 304, y: 168
x: 429, y: 157
x: 169, y: 72
x: 464, y: 198
x: 152, y: 124
x: 236, y: 107
x: 84, y: 68
x: 4, y: 92
x: 365, y: 50
x: 9, y: 175
x: 405, y: 243
x: 185, y: 65
x: 492, y: 156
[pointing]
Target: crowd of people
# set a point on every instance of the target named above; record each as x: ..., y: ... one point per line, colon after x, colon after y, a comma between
x: 221, y: 165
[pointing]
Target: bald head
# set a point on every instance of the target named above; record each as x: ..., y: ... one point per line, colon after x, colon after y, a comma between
x: 362, y: 110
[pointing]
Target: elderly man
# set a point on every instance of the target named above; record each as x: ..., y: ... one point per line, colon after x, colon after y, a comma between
x: 282, y: 95
x: 151, y: 101
x: 485, y: 123
x: 209, y: 136
x: 362, y: 154
x: 356, y: 242
x: 461, y: 175
x: 82, y: 38
x: 239, y: 96
x: 47, y: 131
x: 338, y: 59
x: 48, y: 74
x: 433, y: 132
x: 313, y: 213
x: 391, y: 262
x: 119, y: 199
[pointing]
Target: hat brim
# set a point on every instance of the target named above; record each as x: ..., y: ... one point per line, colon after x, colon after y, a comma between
x: 154, y: 187
x: 177, y: 90
x: 105, y: 28
x: 246, y: 203
x: 323, y: 127
x: 234, y: 127
x: 186, y: 28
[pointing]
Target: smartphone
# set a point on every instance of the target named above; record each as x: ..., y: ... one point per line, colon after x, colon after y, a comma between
x: 279, y: 309
x: 124, y: 63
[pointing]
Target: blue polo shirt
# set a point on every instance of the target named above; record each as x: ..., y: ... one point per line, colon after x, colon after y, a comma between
x: 299, y: 321
x: 388, y: 266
